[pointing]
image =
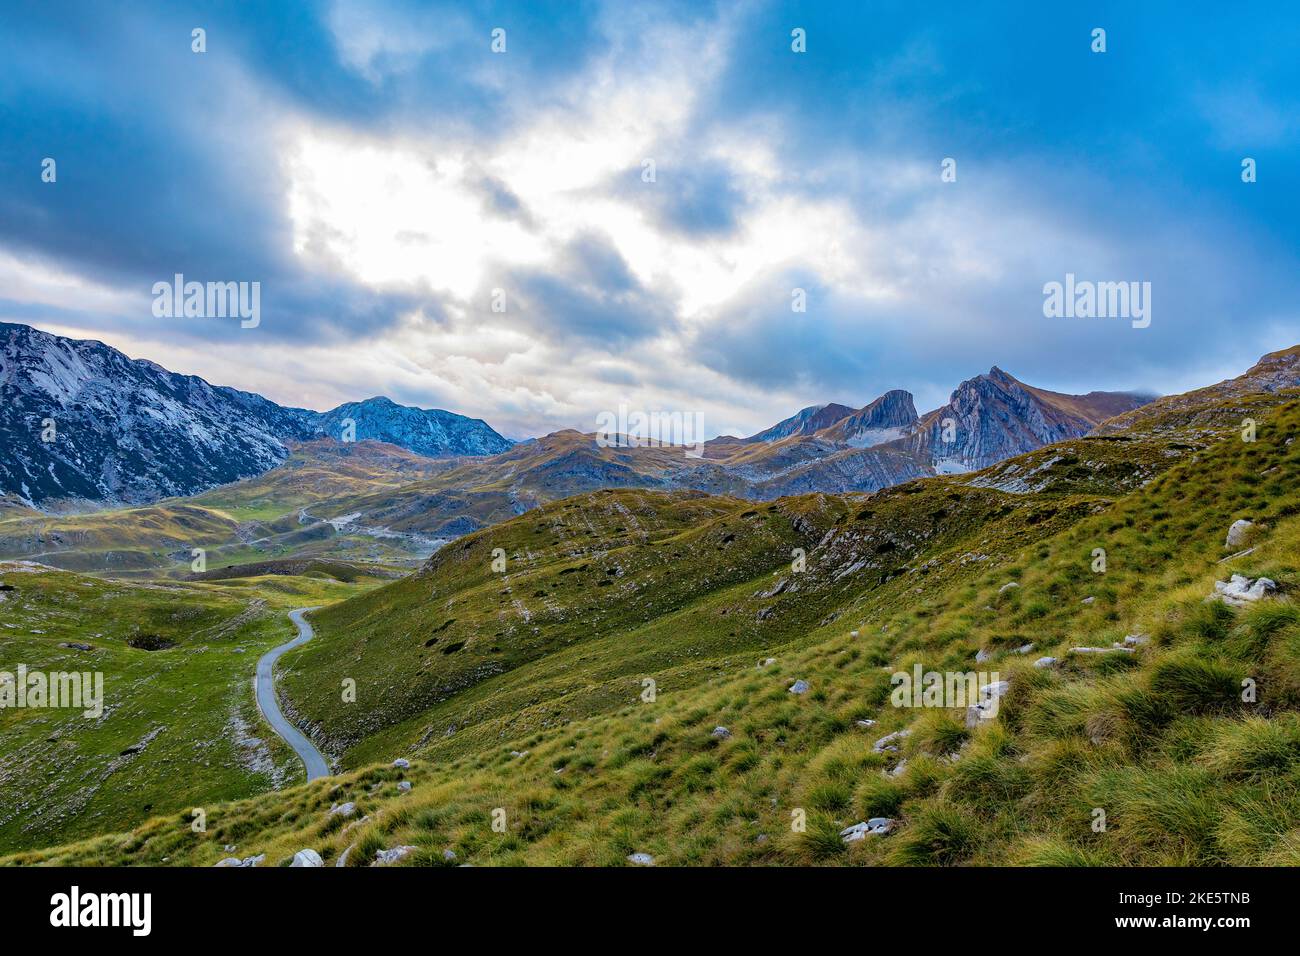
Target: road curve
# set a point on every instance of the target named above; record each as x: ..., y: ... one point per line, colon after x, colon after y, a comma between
x: 270, y: 707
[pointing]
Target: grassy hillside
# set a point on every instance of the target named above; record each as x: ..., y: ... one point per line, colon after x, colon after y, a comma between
x: 586, y: 771
x: 179, y: 728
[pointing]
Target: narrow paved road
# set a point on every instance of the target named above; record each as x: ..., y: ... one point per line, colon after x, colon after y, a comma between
x: 270, y: 707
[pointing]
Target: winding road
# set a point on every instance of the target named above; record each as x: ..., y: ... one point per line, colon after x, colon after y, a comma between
x: 264, y: 684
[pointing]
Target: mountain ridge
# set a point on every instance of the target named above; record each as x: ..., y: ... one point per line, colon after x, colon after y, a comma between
x: 85, y: 422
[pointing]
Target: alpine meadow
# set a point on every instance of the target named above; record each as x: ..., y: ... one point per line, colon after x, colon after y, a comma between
x: 803, y: 437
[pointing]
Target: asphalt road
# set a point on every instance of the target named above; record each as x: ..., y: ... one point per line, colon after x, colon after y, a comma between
x: 270, y: 707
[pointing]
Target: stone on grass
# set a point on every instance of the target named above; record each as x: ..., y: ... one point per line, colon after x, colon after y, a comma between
x: 799, y: 687
x: 401, y: 763
x: 1237, y: 532
x: 404, y: 786
x: 449, y: 855
x: 641, y: 859
x: 888, y: 743
x: 1044, y: 662
x: 1008, y: 585
x: 343, y: 809
x: 987, y: 707
x: 876, y: 826
x: 307, y: 858
x: 1240, y: 590
x: 389, y: 857
x: 722, y: 733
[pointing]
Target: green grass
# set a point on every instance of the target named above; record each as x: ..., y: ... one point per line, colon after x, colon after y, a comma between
x: 66, y: 775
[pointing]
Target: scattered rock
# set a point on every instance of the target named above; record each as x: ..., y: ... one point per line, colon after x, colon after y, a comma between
x: 897, y: 769
x: 520, y: 753
x: 1088, y: 600
x: 876, y: 826
x: 401, y: 763
x: 889, y: 742
x: 1023, y: 649
x: 449, y: 855
x: 1237, y: 532
x: 307, y: 858
x: 721, y: 733
x: 343, y: 857
x: 247, y: 861
x: 1135, y: 640
x: 1102, y: 650
x: 1240, y: 590
x: 987, y: 706
x: 404, y: 786
x: 641, y: 859
x: 1008, y: 585
x: 389, y: 857
x: 343, y: 809
x: 76, y: 646
x: 866, y: 722
x: 767, y: 663
x: 982, y: 655
x: 1044, y: 662
x: 799, y: 687
x: 764, y: 613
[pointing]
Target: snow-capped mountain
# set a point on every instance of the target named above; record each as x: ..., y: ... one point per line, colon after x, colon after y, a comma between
x: 80, y: 421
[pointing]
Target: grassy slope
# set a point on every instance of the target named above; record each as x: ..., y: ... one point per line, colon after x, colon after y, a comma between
x: 1159, y: 739
x: 64, y: 774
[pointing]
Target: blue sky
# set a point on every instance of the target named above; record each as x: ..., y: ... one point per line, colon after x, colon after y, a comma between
x: 381, y: 171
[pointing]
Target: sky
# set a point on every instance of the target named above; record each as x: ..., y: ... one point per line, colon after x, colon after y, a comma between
x: 477, y: 229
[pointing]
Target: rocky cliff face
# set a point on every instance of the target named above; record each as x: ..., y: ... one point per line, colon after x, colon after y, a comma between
x: 81, y: 421
x: 992, y: 417
x: 890, y: 416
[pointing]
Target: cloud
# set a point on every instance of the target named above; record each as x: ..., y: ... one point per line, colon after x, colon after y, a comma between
x: 381, y: 172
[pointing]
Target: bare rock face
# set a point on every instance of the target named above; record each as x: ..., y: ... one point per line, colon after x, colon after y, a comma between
x: 891, y: 416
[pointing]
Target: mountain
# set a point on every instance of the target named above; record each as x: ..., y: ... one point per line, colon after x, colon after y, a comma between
x: 804, y: 422
x: 995, y: 416
x: 82, y: 422
x: 431, y: 432
x: 988, y: 418
x: 890, y: 416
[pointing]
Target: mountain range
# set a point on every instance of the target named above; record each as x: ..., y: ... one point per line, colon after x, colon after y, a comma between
x: 85, y: 424
x: 82, y: 422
